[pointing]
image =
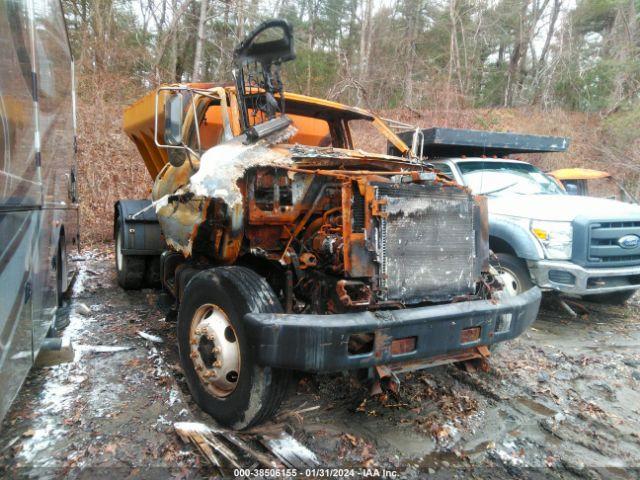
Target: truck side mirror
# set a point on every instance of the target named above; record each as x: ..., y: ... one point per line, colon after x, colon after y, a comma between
x: 173, y: 109
x: 571, y: 188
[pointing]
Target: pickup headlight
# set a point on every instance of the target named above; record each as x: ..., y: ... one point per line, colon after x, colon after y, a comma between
x: 556, y: 238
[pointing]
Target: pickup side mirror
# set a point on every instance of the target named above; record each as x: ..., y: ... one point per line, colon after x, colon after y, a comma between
x: 173, y: 108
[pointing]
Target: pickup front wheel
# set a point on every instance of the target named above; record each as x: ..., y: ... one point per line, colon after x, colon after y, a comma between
x: 513, y: 272
x: 215, y: 353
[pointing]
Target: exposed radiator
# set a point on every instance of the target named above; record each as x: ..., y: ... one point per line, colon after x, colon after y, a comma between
x: 426, y: 245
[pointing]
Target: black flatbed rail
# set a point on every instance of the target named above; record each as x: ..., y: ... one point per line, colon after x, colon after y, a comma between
x: 455, y: 142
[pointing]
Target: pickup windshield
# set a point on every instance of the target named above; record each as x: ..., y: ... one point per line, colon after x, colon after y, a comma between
x: 507, y: 178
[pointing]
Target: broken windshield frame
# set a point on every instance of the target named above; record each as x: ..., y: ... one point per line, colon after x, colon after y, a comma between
x: 231, y: 127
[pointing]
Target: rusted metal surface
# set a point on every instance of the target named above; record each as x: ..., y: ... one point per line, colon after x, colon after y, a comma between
x: 466, y: 355
x: 353, y: 293
x: 386, y: 381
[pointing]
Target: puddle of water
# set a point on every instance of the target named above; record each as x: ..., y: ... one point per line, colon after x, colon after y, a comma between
x: 481, y: 447
x: 77, y: 323
x: 444, y: 458
x: 536, y: 406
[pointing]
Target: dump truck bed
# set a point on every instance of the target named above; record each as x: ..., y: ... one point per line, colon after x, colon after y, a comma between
x: 139, y: 125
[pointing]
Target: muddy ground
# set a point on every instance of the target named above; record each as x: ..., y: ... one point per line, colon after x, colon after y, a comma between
x: 562, y: 401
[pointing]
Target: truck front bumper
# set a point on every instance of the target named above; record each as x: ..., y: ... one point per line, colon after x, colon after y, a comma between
x: 567, y: 277
x: 320, y: 343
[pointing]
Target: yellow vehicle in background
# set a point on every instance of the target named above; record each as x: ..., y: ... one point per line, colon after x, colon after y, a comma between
x: 592, y: 183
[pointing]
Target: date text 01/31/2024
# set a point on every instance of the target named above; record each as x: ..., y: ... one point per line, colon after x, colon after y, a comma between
x: 315, y: 472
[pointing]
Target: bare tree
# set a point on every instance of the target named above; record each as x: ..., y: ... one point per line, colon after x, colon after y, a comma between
x: 200, y: 39
x: 366, y: 33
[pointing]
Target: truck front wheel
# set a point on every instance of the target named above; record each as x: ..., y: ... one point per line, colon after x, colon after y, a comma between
x: 215, y: 353
x: 514, y: 273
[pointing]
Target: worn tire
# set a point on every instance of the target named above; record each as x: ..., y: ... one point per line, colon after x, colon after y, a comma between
x: 60, y: 271
x: 259, y: 390
x: 613, y: 298
x: 130, y: 269
x: 516, y: 271
x: 152, y: 272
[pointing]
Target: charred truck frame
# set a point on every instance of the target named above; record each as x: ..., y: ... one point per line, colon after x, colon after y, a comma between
x: 286, y: 249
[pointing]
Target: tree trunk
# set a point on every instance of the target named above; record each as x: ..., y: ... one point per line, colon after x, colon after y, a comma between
x: 519, y: 49
x: 624, y: 45
x: 197, y: 58
x: 310, y: 42
x: 239, y: 19
x: 550, y: 33
x: 410, y: 52
x: 365, y: 47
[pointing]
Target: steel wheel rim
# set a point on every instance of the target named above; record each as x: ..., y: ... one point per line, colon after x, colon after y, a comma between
x: 510, y: 280
x: 214, y: 350
x: 119, y: 252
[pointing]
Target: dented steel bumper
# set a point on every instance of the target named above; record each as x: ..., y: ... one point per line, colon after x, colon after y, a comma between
x: 320, y: 343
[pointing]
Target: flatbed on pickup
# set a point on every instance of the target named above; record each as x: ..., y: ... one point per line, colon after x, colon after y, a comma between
x: 453, y: 142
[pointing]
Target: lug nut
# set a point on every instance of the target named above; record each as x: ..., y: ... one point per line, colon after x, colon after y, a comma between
x: 216, y: 350
x: 217, y: 364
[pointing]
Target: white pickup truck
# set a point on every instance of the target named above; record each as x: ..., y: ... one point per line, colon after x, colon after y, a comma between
x: 582, y: 246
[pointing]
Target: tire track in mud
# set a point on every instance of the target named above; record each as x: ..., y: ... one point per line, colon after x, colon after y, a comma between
x: 581, y: 406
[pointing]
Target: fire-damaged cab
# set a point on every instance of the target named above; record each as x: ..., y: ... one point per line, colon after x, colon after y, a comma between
x: 287, y: 249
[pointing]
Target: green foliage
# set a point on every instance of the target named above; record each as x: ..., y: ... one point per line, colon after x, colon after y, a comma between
x: 323, y: 67
x: 595, y: 15
x: 588, y: 89
x: 491, y: 88
x: 621, y: 127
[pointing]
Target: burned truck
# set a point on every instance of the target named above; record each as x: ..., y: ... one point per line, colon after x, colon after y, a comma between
x: 286, y: 249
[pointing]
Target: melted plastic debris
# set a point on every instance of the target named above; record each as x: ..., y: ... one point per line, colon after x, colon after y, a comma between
x: 221, y: 167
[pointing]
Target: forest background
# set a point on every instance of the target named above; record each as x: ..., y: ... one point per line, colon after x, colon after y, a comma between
x: 557, y: 67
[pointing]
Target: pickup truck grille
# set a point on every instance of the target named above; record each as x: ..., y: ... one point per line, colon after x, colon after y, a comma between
x: 426, y: 244
x: 604, y: 247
